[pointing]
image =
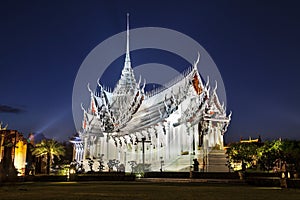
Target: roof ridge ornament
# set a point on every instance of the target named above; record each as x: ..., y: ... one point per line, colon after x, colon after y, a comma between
x: 89, y: 89
x: 98, y: 83
x: 82, y: 107
x: 197, y: 61
x: 216, y: 86
x: 207, y: 82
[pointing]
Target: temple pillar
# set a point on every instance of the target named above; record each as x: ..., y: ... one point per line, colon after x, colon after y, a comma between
x: 93, y: 147
x: 157, y: 147
x: 76, y: 155
x: 196, y: 137
x: 85, y: 147
x: 107, y: 146
x: 98, y: 149
x: 125, y: 160
x: 103, y: 146
x: 119, y: 156
x: 168, y: 142
x: 81, y: 152
x: 151, y: 147
x: 180, y: 138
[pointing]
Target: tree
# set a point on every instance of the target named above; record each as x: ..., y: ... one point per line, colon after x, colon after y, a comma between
x: 291, y: 154
x: 244, y: 153
x: 270, y: 154
x: 49, y: 148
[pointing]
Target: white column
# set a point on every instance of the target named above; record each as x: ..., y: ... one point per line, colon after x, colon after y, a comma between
x: 77, y: 155
x: 189, y: 139
x: 98, y: 149
x: 179, y: 133
x: 167, y: 141
x: 151, y: 147
x: 196, y: 138
x: 85, y: 148
x: 171, y: 142
x: 159, y: 140
x: 81, y: 152
x: 103, y: 147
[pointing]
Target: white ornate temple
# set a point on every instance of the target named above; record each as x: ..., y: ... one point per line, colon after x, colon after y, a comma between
x: 173, y: 125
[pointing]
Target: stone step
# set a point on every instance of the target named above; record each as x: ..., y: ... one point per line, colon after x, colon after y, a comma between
x: 216, y: 161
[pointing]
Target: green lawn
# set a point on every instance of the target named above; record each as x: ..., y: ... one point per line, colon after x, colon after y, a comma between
x: 140, y: 190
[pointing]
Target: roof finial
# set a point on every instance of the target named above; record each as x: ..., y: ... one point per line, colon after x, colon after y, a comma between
x: 127, y: 58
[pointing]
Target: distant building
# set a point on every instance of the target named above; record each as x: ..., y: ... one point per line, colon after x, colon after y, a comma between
x: 250, y: 140
x: 14, y: 141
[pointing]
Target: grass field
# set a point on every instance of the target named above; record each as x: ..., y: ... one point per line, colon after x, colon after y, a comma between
x: 140, y: 190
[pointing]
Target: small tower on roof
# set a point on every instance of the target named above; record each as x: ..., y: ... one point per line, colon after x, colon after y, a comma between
x: 127, y: 83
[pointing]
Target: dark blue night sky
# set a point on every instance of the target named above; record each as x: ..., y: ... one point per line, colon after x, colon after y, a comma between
x: 254, y: 44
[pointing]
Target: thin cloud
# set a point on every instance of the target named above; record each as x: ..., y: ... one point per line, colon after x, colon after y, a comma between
x: 10, y: 109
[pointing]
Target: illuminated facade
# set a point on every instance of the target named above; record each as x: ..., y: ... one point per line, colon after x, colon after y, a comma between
x: 175, y: 124
x: 16, y: 144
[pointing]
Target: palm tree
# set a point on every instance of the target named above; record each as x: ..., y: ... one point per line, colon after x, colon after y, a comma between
x: 50, y: 148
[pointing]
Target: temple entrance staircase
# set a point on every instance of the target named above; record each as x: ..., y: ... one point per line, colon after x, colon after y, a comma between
x: 217, y: 161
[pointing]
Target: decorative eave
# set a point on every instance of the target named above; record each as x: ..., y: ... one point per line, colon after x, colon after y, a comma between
x: 197, y: 81
x: 214, y: 101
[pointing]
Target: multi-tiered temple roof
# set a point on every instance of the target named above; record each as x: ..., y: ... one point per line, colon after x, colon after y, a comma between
x: 128, y: 112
